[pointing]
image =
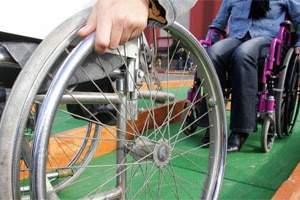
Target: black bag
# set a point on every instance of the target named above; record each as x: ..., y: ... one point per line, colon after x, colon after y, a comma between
x: 105, y: 113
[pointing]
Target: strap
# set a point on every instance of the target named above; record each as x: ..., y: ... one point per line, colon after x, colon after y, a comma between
x: 157, y: 12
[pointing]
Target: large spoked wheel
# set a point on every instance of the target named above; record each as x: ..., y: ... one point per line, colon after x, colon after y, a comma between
x: 68, y: 152
x: 142, y: 151
x: 267, y: 134
x: 288, y: 97
x: 68, y: 148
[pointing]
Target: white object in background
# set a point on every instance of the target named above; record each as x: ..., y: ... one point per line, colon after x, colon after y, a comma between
x: 37, y: 18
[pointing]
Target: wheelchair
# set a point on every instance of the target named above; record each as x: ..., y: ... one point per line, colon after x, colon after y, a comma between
x: 132, y: 145
x: 278, y: 88
x: 10, y: 69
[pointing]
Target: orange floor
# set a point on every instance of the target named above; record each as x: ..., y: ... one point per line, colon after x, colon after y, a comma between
x: 290, y: 189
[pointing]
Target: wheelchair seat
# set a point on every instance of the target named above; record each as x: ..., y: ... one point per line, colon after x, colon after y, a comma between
x: 14, y: 52
x: 9, y: 68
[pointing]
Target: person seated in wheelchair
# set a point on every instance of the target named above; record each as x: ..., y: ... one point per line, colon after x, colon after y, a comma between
x: 252, y: 26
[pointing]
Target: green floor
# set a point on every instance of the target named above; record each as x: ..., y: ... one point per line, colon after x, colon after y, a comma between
x: 251, y: 174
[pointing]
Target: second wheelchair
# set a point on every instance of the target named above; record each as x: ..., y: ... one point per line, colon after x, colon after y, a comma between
x: 278, y: 88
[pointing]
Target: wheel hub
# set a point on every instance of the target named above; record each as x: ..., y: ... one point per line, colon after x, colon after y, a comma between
x: 144, y: 149
x: 162, y: 153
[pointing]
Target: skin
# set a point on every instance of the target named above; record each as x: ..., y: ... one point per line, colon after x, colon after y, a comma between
x: 116, y: 22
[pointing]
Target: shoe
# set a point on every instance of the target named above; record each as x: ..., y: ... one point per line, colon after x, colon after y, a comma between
x: 236, y: 141
x: 205, y: 140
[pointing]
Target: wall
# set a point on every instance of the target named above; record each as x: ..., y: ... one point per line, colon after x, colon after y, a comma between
x: 201, y: 16
x: 197, y: 20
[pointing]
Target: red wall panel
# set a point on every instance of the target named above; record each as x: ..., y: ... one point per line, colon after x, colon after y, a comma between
x: 202, y: 15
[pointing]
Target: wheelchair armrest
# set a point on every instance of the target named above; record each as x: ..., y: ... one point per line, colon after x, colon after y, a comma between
x: 288, y: 25
x: 217, y: 30
x: 211, y: 32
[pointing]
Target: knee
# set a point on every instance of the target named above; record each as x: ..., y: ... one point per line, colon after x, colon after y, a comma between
x: 240, y: 55
x: 214, y: 53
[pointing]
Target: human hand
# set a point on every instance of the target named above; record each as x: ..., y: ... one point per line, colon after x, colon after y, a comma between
x: 297, y: 51
x: 116, y: 22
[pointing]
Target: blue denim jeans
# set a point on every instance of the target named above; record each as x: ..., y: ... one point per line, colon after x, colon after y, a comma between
x: 239, y: 59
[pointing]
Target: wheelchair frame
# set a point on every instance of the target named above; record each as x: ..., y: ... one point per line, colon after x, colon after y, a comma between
x: 277, y: 120
x: 156, y: 151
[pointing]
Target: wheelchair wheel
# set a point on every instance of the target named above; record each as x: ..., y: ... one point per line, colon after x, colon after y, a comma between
x: 143, y: 153
x: 267, y: 134
x: 63, y: 155
x: 288, y: 97
x: 67, y: 148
